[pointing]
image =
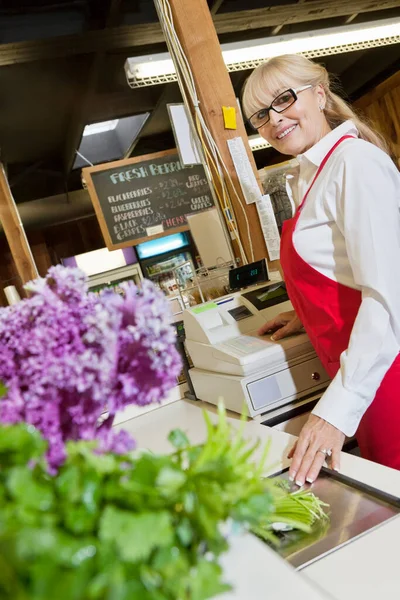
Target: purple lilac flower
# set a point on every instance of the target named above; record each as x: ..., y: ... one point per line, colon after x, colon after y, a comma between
x: 66, y: 355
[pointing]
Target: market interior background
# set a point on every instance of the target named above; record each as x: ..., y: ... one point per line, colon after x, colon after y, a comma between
x: 62, y: 68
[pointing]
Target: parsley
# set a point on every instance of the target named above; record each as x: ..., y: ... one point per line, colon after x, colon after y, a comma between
x: 131, y: 527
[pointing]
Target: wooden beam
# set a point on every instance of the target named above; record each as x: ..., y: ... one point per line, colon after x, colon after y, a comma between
x: 377, y: 93
x: 13, y: 228
x: 40, y: 252
x: 199, y: 40
x: 148, y: 34
x: 295, y: 13
x: 216, y: 5
x: 277, y: 29
x: 351, y: 18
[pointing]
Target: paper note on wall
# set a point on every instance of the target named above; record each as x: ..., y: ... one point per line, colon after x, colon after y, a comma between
x: 269, y: 226
x: 247, y: 179
x: 229, y: 115
x: 209, y: 237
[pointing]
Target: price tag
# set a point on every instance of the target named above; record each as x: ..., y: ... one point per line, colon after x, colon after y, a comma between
x: 154, y: 230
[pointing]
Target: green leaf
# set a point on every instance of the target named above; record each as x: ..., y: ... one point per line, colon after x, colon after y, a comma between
x: 254, y: 509
x: 68, y: 483
x: 135, y: 527
x: 28, y: 492
x: 170, y: 480
x: 101, y: 463
x: 136, y: 535
x: 178, y: 439
x: 205, y: 581
x: 3, y: 389
x: 20, y: 444
x: 53, y: 546
x: 73, y: 586
x: 78, y: 520
x: 184, y: 531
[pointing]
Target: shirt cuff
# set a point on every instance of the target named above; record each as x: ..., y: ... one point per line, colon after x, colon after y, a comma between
x: 340, y: 407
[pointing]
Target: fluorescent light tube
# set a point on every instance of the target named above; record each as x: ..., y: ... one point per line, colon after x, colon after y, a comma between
x: 329, y: 39
x: 159, y: 68
x: 156, y: 65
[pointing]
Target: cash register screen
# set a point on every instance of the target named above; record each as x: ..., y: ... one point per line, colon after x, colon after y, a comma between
x: 268, y: 296
x: 247, y: 275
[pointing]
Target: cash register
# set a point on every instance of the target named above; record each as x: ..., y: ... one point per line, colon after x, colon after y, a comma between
x: 232, y: 362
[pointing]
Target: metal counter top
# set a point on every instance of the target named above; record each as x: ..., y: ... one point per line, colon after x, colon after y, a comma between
x: 354, y: 510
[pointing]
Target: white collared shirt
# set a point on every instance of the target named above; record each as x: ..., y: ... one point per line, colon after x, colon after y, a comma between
x: 349, y: 230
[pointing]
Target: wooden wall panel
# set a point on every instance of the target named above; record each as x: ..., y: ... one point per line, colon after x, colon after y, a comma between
x: 382, y: 107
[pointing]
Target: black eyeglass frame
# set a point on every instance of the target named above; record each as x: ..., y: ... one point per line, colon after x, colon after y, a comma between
x: 293, y: 92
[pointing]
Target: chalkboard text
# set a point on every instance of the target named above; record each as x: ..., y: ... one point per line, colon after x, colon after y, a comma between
x: 159, y: 191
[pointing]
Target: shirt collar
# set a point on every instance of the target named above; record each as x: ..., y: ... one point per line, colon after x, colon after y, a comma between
x: 317, y: 153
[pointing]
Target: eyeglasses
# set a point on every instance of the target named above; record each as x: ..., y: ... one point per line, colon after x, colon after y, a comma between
x: 279, y: 105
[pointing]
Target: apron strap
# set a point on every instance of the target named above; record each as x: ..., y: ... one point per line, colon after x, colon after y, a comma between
x: 322, y: 165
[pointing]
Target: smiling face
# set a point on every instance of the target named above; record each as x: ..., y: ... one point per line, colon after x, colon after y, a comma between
x: 302, y: 124
x: 299, y: 127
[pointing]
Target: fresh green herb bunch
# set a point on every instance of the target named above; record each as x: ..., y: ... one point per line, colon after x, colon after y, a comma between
x: 140, y: 527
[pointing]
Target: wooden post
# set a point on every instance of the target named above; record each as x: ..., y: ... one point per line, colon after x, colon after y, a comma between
x: 197, y: 35
x: 40, y: 252
x: 15, y: 234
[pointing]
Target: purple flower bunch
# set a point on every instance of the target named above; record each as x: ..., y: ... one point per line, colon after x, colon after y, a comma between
x: 67, y: 355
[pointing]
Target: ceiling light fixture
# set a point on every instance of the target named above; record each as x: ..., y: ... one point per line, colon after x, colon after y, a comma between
x: 94, y: 128
x: 159, y: 68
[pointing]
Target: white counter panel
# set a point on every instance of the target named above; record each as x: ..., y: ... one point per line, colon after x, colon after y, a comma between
x: 363, y: 570
x: 366, y: 569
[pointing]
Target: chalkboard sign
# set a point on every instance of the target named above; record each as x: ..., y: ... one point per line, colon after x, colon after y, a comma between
x: 147, y: 196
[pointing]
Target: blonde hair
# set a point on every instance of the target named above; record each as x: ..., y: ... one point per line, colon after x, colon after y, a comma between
x: 293, y: 70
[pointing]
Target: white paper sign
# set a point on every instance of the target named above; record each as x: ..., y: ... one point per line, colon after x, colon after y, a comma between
x: 269, y: 226
x: 185, y: 141
x: 247, y: 179
x: 154, y: 230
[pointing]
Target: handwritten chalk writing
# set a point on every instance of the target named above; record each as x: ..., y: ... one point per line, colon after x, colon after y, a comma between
x: 166, y: 168
x: 175, y: 222
x: 129, y: 195
x: 175, y: 193
x: 124, y: 207
x: 136, y: 198
x: 128, y: 175
x: 195, y: 181
x: 138, y: 231
x: 200, y: 203
x: 169, y: 183
x: 133, y: 214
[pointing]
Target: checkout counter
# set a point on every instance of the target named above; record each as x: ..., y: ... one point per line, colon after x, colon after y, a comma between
x: 276, y: 381
x: 355, y: 558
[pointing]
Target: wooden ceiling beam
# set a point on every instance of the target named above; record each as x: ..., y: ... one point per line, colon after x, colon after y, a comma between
x: 215, y: 6
x: 136, y: 37
x: 296, y: 13
x: 351, y: 18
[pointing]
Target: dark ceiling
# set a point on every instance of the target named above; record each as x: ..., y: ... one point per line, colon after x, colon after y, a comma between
x: 62, y: 67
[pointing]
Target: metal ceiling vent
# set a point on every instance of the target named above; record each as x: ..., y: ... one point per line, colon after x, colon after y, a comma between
x: 143, y: 71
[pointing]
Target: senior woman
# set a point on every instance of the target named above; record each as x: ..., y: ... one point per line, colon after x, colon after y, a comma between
x: 340, y: 255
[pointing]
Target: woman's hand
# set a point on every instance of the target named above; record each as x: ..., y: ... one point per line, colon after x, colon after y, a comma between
x: 282, y: 325
x: 317, y: 440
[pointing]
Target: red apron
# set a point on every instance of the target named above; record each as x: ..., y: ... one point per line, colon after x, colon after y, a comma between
x: 328, y: 310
